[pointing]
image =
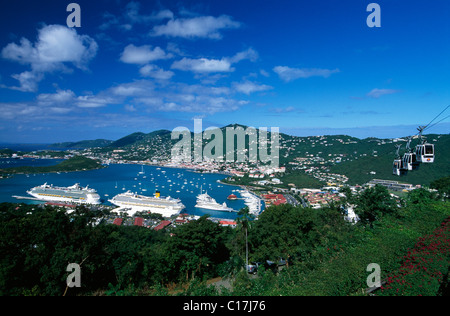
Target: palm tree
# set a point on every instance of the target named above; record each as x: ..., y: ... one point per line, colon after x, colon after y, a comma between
x: 243, y: 221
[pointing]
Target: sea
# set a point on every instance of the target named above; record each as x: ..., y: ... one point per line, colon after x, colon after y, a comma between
x: 118, y: 178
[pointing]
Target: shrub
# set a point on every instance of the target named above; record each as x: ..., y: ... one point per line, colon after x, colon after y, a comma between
x: 424, y: 266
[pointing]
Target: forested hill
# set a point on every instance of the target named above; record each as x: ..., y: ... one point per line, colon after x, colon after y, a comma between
x: 76, y: 163
x: 359, y: 170
x: 359, y: 159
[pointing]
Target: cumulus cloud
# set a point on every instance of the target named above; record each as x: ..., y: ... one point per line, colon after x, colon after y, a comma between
x: 196, y: 27
x: 143, y: 54
x: 248, y: 87
x: 56, y: 48
x: 177, y: 97
x: 155, y: 72
x: 203, y: 65
x: 61, y: 97
x: 67, y: 99
x: 288, y: 74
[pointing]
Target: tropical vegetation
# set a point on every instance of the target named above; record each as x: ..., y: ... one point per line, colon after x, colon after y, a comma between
x: 299, y: 251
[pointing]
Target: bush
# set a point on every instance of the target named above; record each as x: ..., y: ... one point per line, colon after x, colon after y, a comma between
x: 424, y: 266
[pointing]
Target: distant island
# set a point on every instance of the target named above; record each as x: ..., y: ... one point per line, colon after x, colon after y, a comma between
x: 76, y: 163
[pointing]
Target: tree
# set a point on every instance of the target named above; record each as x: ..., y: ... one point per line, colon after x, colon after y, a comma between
x: 196, y: 249
x: 243, y: 221
x: 443, y: 186
x: 373, y: 203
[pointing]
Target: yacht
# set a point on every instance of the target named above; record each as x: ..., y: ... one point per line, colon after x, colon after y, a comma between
x: 207, y: 202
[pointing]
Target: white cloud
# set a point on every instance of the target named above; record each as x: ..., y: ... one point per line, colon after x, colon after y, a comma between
x: 142, y: 54
x: 61, y: 97
x: 56, y: 47
x: 66, y: 99
x: 28, y: 81
x: 132, y: 16
x: 132, y: 89
x: 132, y: 13
x: 176, y: 97
x: 288, y: 74
x: 56, y: 44
x: 197, y: 27
x: 203, y: 65
x: 155, y: 72
x: 249, y: 87
x: 249, y: 54
x: 376, y: 93
x: 94, y: 101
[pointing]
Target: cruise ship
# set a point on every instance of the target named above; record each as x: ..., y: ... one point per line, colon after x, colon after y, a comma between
x: 72, y: 194
x: 252, y: 201
x: 166, y: 206
x: 206, y: 202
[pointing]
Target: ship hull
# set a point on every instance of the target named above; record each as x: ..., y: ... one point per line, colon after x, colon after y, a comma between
x: 74, y: 194
x: 146, y: 204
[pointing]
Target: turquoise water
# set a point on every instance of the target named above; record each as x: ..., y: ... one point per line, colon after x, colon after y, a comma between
x: 116, y: 179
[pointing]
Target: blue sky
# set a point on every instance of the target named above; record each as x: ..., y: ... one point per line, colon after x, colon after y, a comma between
x: 307, y: 67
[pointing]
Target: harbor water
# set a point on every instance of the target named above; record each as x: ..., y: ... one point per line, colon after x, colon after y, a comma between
x: 119, y: 178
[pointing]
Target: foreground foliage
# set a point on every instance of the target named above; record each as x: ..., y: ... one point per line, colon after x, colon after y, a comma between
x: 323, y: 254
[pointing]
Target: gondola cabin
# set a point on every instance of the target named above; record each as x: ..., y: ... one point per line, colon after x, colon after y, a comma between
x: 398, y: 167
x: 410, y: 161
x: 425, y: 153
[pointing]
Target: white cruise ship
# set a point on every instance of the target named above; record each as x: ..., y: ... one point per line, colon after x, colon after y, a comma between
x: 72, y: 194
x: 207, y: 202
x: 252, y: 201
x: 166, y: 206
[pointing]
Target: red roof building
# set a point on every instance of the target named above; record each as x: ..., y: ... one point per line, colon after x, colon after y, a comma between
x: 162, y: 225
x: 228, y: 223
x: 274, y: 199
x: 118, y: 221
x: 138, y: 221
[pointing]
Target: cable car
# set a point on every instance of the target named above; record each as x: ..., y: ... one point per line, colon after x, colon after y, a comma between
x: 425, y: 153
x: 398, y: 167
x: 410, y: 161
x: 410, y: 158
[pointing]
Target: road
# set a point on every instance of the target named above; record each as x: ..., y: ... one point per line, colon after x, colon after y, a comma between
x: 291, y: 200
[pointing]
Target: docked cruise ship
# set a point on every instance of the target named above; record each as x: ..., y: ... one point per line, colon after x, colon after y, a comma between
x: 166, y: 206
x: 72, y: 194
x: 207, y: 202
x: 251, y: 201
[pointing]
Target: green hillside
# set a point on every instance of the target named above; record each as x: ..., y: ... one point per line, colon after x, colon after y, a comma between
x: 359, y: 159
x: 82, y: 144
x: 358, y: 170
x: 76, y: 163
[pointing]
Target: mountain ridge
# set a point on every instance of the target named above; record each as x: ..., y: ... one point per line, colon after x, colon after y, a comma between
x: 359, y: 159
